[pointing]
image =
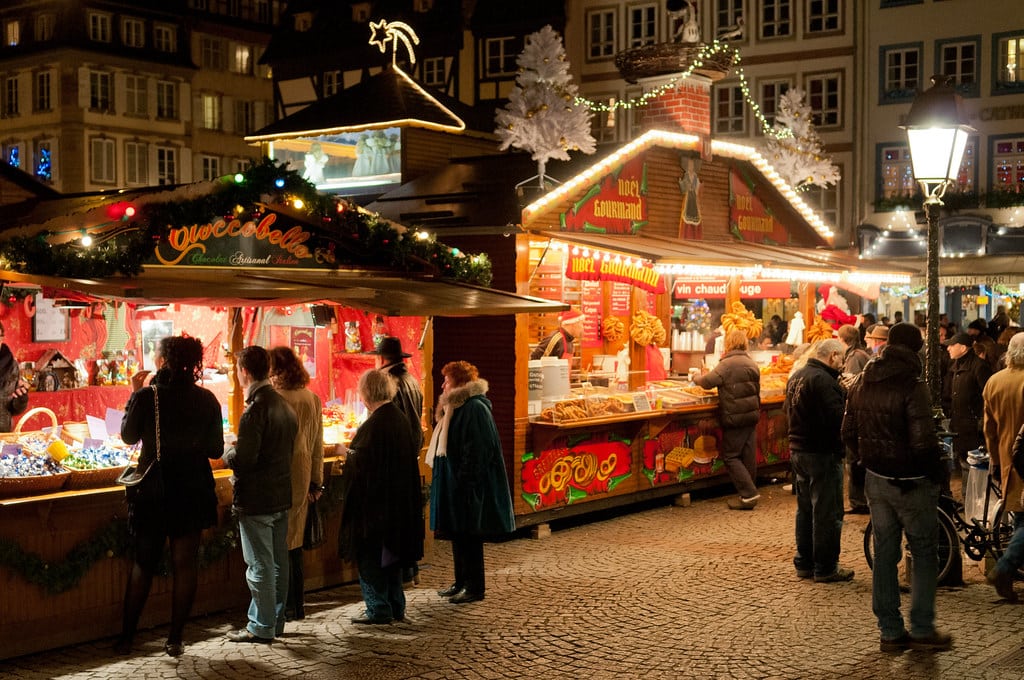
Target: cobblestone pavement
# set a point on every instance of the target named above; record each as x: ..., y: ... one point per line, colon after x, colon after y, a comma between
x: 666, y: 592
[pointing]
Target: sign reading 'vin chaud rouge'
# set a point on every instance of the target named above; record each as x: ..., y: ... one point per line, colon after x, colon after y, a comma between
x: 615, y: 205
x: 258, y: 242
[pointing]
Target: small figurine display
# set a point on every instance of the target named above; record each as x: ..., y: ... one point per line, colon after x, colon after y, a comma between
x: 352, y: 342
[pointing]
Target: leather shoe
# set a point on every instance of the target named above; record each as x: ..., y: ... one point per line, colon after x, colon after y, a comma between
x: 243, y: 635
x: 367, y: 621
x: 838, y: 576
x: 936, y: 642
x: 739, y: 504
x: 464, y: 596
x: 174, y: 649
x: 898, y: 644
x: 453, y: 589
x: 1003, y: 583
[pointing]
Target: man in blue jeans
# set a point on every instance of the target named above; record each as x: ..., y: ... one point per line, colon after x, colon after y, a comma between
x: 888, y: 426
x: 261, y: 460
x: 814, y: 406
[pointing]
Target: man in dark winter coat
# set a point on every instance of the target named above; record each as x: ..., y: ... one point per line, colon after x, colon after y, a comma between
x: 261, y: 461
x: 962, y: 389
x: 889, y: 427
x: 738, y: 380
x: 814, y: 406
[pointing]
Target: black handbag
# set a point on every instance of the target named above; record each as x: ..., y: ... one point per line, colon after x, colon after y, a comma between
x: 145, y: 482
x: 314, y: 535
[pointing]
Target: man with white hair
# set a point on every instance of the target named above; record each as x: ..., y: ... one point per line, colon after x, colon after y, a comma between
x: 814, y: 406
x: 1004, y: 415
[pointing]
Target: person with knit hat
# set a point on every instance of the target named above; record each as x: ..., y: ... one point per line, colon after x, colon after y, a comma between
x: 560, y: 343
x: 888, y: 426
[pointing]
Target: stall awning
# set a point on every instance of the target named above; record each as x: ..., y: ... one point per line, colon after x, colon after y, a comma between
x: 368, y: 290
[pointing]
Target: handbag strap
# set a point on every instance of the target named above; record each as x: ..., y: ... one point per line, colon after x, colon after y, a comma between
x: 156, y: 410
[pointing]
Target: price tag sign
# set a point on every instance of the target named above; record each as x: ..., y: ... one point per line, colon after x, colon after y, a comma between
x: 641, y: 402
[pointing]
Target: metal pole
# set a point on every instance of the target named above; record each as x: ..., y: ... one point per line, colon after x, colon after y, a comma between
x: 932, y: 346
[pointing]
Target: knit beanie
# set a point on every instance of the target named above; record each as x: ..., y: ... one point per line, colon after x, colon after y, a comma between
x: 907, y: 335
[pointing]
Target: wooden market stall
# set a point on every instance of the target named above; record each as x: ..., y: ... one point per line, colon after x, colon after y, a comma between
x: 243, y: 246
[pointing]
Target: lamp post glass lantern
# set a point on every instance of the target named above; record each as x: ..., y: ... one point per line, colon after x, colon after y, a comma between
x: 937, y: 132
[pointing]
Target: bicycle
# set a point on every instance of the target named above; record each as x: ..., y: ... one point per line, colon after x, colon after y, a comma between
x: 979, y: 536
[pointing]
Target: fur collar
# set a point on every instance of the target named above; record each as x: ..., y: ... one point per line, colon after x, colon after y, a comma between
x: 458, y: 396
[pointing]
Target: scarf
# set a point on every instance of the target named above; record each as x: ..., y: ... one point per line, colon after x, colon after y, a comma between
x: 446, y: 405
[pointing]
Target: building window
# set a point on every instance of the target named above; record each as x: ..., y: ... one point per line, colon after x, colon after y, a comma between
x: 262, y: 12
x: 166, y: 165
x: 499, y: 57
x: 824, y: 100
x: 825, y: 200
x: 12, y: 33
x: 634, y: 119
x: 729, y: 110
x: 728, y: 15
x: 244, y: 117
x: 332, y: 83
x: 165, y: 38
x: 166, y: 100
x: 601, y: 34
x: 897, y: 175
x: 135, y: 97
x: 433, y: 71
x: 209, y: 167
x: 901, y: 69
x: 43, y: 102
x: 10, y: 96
x: 823, y: 16
x: 776, y: 19
x: 101, y: 155
x: 643, y: 25
x: 1008, y: 164
x: 136, y: 163
x: 240, y: 165
x: 133, y: 33
x: 99, y: 27
x: 602, y: 125
x: 771, y: 95
x: 959, y: 60
x: 967, y: 177
x: 44, y: 163
x: 12, y: 154
x: 211, y: 112
x: 212, y: 53
x: 44, y: 26
x: 241, y: 60
x: 1009, y: 62
x: 99, y: 91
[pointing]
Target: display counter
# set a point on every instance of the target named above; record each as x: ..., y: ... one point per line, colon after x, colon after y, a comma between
x: 582, y: 465
x: 63, y: 566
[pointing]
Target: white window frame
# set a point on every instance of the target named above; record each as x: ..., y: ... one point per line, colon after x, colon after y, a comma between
x: 43, y: 96
x: 825, y: 201
x: 501, y: 53
x: 1010, y: 67
x: 133, y: 32
x: 967, y: 176
x: 101, y: 91
x: 333, y: 83
x: 730, y: 110
x: 136, y: 163
x: 728, y: 13
x: 166, y: 100
x: 602, y: 34
x: 44, y: 26
x: 211, y: 53
x: 963, y: 69
x: 99, y: 27
x: 12, y: 33
x: 166, y: 165
x: 824, y: 16
x: 245, y: 116
x: 209, y: 167
x: 896, y: 172
x: 902, y: 69
x: 165, y: 38
x: 1008, y: 163
x: 136, y: 95
x: 769, y: 101
x: 642, y: 24
x: 434, y: 71
x: 776, y: 26
x: 242, y: 59
x: 827, y: 114
x: 102, y: 160
x: 213, y: 111
x: 604, y: 124
x: 11, y: 96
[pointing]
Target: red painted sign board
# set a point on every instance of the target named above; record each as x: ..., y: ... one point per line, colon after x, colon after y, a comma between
x: 686, y: 289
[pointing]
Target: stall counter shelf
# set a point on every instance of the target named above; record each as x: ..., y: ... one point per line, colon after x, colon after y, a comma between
x: 577, y: 466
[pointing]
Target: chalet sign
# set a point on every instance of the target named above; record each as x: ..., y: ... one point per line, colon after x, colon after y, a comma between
x: 749, y: 219
x: 588, y: 268
x: 687, y: 289
x: 266, y: 241
x: 615, y: 205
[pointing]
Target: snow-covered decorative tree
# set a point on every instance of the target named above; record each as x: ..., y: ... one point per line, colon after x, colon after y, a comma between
x: 795, y: 150
x: 542, y: 115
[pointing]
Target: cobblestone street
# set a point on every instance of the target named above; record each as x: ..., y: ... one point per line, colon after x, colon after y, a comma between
x: 666, y: 592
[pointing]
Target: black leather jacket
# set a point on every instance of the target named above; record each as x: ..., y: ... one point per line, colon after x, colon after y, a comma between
x: 738, y: 380
x: 888, y: 424
x: 814, y: 406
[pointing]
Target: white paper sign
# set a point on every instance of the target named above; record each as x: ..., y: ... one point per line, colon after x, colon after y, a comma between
x: 113, y: 421
x: 97, y: 428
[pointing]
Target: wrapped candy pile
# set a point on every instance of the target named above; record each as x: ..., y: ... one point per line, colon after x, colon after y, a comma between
x: 27, y: 464
x: 96, y: 458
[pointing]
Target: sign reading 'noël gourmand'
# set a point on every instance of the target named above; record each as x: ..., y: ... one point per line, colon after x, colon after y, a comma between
x: 615, y: 205
x: 236, y: 242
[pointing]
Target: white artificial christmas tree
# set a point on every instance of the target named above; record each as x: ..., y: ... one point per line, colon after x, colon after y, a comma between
x: 542, y: 115
x: 796, y: 151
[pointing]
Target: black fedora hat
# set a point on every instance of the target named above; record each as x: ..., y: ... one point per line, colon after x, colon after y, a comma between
x: 391, y: 347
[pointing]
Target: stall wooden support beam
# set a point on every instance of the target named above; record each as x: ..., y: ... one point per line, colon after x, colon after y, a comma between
x: 732, y: 292
x: 637, y: 353
x: 805, y: 292
x: 236, y: 400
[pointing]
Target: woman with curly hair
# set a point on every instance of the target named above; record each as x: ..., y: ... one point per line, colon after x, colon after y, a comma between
x: 290, y: 378
x: 179, y: 501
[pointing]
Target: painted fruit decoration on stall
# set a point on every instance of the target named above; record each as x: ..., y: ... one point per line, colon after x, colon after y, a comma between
x: 682, y: 451
x: 588, y: 465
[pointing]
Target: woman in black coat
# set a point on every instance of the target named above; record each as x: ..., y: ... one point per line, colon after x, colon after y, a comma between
x: 176, y: 500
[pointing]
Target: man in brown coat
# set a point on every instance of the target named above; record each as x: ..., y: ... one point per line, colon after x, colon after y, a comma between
x: 1004, y: 415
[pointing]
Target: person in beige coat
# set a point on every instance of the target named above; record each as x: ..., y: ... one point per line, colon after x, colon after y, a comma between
x: 290, y: 378
x: 1004, y: 415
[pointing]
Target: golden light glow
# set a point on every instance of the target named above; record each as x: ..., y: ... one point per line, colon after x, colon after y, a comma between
x: 383, y: 32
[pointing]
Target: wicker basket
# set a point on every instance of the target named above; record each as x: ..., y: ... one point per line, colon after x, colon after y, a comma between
x: 38, y: 410
x: 17, y: 487
x: 74, y: 433
x: 93, y: 479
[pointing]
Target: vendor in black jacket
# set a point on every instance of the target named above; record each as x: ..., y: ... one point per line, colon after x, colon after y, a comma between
x: 814, y: 406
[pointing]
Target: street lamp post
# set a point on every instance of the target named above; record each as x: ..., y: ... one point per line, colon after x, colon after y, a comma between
x: 937, y: 131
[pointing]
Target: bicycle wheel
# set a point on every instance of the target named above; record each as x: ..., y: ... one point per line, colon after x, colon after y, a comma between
x: 1002, y: 531
x: 948, y: 548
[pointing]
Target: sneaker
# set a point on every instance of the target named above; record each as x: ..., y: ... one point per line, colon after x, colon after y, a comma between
x: 896, y: 644
x: 837, y: 576
x: 935, y: 642
x: 1003, y: 583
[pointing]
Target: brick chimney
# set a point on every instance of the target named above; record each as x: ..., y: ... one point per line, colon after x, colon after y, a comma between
x: 684, y: 108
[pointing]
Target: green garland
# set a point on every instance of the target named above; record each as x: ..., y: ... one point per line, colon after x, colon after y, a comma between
x: 356, y: 237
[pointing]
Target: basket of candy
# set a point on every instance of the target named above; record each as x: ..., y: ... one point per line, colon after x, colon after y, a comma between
x: 25, y: 473
x: 95, y: 466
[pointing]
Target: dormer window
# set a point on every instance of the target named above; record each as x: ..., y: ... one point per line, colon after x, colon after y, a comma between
x: 360, y: 12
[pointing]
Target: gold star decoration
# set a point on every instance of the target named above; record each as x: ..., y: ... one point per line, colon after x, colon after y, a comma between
x: 379, y: 35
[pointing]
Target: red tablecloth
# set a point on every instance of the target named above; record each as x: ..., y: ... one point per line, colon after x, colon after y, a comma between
x: 74, y: 405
